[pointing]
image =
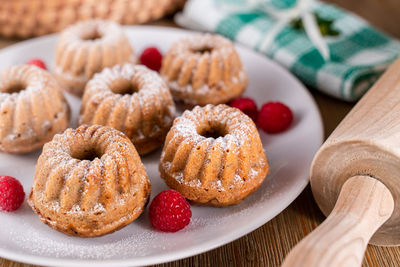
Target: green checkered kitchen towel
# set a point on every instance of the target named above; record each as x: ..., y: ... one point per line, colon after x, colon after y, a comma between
x: 358, y: 52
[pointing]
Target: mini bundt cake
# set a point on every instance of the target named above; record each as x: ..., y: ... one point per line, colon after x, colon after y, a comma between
x: 204, y: 69
x: 32, y: 109
x: 213, y: 156
x: 89, y: 182
x: 86, y: 48
x: 132, y: 99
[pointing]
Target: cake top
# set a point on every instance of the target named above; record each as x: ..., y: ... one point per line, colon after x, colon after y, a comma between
x: 203, y: 43
x: 93, y: 31
x: 220, y: 123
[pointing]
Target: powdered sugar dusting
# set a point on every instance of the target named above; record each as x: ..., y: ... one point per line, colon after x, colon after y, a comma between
x: 57, y: 247
x: 152, y: 101
x: 108, y: 31
x: 203, y: 41
x: 210, y: 70
x: 28, y: 119
x: 57, y: 192
x: 237, y: 128
x: 86, y: 48
x: 137, y: 240
x: 138, y: 243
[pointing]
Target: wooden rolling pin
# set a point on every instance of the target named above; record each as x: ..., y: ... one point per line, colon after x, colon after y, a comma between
x: 355, y: 179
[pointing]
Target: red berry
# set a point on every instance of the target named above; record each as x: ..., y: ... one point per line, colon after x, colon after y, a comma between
x: 169, y: 211
x: 274, y: 117
x: 38, y: 63
x: 151, y: 58
x: 247, y: 106
x: 11, y: 193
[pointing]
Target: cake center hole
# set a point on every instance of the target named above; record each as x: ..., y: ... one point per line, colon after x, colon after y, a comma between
x: 86, y: 154
x: 92, y: 36
x: 124, y: 87
x: 213, y: 132
x: 203, y: 50
x: 14, y: 88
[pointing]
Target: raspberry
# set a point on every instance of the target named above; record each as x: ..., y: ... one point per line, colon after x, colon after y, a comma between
x: 151, y: 58
x: 247, y: 106
x: 274, y: 117
x: 169, y: 211
x: 11, y: 193
x: 38, y: 63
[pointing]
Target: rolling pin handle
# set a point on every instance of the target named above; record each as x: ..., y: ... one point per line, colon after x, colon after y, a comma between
x: 363, y: 205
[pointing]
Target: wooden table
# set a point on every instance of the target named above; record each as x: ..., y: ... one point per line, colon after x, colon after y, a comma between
x: 268, y: 245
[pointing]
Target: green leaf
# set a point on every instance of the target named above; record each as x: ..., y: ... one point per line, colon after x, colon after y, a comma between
x: 325, y: 26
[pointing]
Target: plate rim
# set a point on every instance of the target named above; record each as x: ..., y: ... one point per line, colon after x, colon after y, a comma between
x: 188, y: 252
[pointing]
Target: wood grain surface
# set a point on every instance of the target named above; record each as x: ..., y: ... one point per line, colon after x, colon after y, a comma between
x: 363, y: 205
x: 269, y: 244
x: 367, y: 143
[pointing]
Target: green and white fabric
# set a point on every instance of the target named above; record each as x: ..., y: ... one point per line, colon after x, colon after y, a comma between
x: 358, y: 54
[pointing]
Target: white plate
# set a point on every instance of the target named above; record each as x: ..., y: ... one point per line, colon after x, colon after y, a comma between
x: 24, y: 238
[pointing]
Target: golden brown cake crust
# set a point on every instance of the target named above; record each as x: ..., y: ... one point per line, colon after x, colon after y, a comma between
x: 32, y: 109
x: 132, y: 99
x: 89, y: 182
x: 213, y: 156
x: 204, y: 69
x: 86, y: 48
x: 24, y: 18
